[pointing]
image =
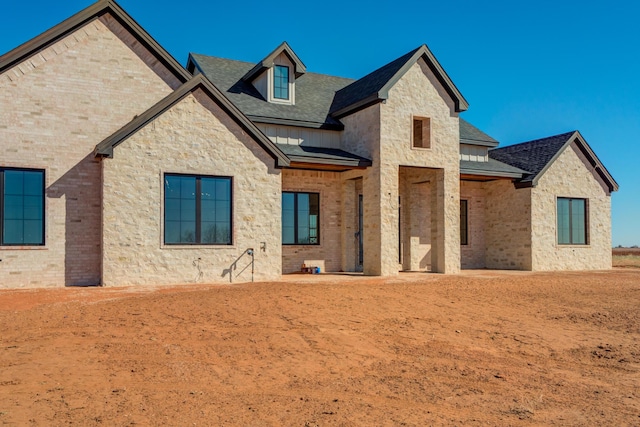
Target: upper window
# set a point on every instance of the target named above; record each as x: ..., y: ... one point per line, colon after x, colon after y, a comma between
x: 22, y: 207
x: 300, y: 218
x: 464, y: 223
x: 281, y: 82
x: 572, y: 221
x: 421, y: 132
x: 197, y: 210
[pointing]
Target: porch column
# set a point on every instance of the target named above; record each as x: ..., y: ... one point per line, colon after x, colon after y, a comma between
x: 445, y: 224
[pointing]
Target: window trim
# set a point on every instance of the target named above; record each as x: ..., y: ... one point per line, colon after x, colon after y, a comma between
x: 44, y: 210
x: 198, y: 209
x: 295, y: 218
x: 465, y: 241
x: 586, y: 222
x: 425, y: 137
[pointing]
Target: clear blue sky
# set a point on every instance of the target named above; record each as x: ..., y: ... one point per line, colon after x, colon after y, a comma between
x: 528, y: 69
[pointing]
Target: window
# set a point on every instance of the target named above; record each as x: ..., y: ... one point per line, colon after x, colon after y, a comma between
x: 572, y: 221
x: 281, y: 82
x: 300, y: 218
x: 421, y: 132
x: 464, y: 223
x: 22, y: 207
x: 197, y: 210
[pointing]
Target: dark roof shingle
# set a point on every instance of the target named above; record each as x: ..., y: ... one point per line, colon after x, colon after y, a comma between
x: 533, y: 156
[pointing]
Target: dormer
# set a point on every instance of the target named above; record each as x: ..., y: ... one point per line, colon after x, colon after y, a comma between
x: 275, y: 76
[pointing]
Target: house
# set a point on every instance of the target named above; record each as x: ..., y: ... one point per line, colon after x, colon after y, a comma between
x: 120, y: 166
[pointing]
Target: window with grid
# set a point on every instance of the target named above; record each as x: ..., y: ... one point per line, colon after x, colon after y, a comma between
x: 572, y: 221
x: 21, y: 207
x: 197, y: 210
x: 300, y: 218
x: 281, y: 82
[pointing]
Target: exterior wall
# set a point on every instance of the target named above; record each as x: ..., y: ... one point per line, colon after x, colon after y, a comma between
x: 416, y: 220
x: 474, y: 153
x: 418, y: 93
x: 56, y: 106
x: 570, y: 176
x: 507, y: 226
x: 195, y: 136
x: 329, y: 185
x: 472, y: 255
x: 301, y: 136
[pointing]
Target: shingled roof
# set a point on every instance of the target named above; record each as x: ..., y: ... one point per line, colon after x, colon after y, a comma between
x: 538, y: 155
x: 375, y: 86
x: 314, y: 93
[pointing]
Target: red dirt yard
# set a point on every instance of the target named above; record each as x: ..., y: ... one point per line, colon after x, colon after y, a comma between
x: 483, y: 348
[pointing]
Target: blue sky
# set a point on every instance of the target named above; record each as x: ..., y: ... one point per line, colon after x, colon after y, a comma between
x: 528, y: 69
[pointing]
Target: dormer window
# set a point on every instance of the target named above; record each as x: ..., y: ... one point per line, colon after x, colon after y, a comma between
x: 281, y: 82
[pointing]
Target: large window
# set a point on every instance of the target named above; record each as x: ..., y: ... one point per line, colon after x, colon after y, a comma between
x: 572, y: 221
x: 22, y: 207
x: 300, y: 218
x: 197, y: 210
x: 281, y: 82
x: 464, y: 223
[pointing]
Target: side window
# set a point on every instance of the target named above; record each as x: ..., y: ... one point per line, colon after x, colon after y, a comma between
x: 300, y: 218
x: 572, y: 217
x: 421, y: 133
x: 197, y: 210
x: 22, y: 207
x: 464, y: 223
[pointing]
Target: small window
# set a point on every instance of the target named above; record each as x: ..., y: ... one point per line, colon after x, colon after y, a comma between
x: 572, y: 221
x: 281, y: 82
x: 300, y: 218
x: 464, y: 223
x: 22, y: 207
x: 421, y: 132
x: 197, y: 210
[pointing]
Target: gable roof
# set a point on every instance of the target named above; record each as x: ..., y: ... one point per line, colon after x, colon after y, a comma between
x: 469, y: 134
x: 375, y: 86
x: 314, y: 94
x: 538, y: 155
x: 105, y: 148
x: 71, y: 24
x: 268, y: 62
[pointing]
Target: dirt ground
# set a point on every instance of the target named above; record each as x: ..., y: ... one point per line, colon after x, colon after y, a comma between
x: 483, y: 348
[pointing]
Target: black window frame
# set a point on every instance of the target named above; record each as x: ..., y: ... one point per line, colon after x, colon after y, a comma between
x: 277, y: 83
x: 464, y: 230
x: 198, y: 209
x: 295, y: 219
x: 2, y: 206
x: 572, y: 239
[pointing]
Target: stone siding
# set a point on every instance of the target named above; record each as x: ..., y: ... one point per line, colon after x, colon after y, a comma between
x: 329, y: 185
x: 57, y: 105
x: 418, y: 93
x: 195, y: 136
x: 507, y: 226
x: 472, y: 255
x: 570, y: 176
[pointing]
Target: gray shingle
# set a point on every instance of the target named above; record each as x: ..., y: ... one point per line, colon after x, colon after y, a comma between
x: 491, y: 168
x: 314, y: 93
x: 532, y: 156
x: 331, y: 156
x: 469, y: 134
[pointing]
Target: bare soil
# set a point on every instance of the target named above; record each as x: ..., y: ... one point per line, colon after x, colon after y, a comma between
x: 483, y: 348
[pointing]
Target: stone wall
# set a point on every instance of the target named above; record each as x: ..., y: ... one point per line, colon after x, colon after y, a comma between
x: 570, y: 176
x: 418, y: 93
x: 195, y: 136
x: 507, y: 226
x: 56, y: 106
x: 329, y: 185
x: 472, y: 255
